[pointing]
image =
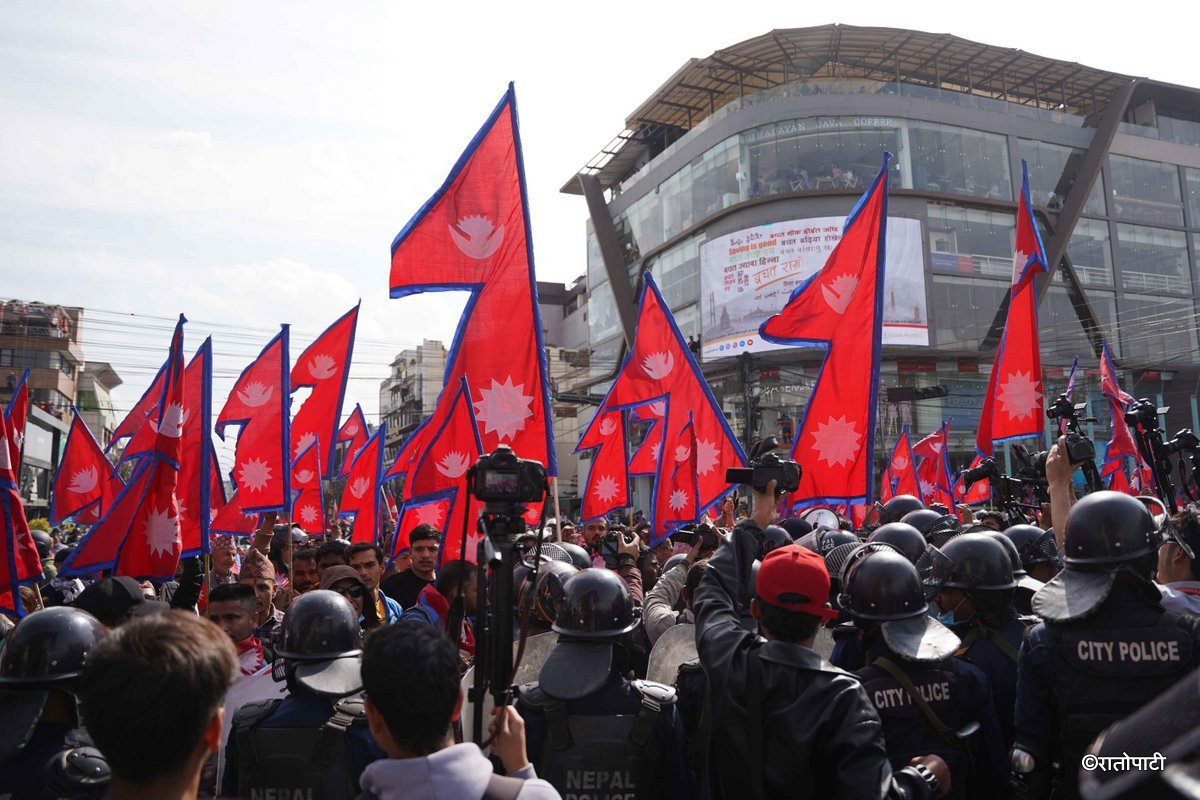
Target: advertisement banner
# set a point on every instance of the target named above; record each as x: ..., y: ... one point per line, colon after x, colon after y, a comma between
x: 747, y: 276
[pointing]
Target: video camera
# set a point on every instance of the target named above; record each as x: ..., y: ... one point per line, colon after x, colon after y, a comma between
x: 1145, y: 414
x: 688, y: 534
x: 766, y: 466
x: 1079, y: 448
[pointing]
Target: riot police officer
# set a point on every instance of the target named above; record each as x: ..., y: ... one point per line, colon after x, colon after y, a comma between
x: 40, y: 667
x: 312, y: 742
x: 971, y: 579
x: 1036, y: 547
x: 902, y: 536
x: 929, y: 701
x: 1105, y: 646
x: 586, y: 724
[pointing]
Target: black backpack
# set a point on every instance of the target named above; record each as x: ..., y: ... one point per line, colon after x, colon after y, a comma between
x: 310, y: 762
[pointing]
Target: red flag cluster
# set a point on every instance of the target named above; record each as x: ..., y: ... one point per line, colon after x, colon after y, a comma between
x: 19, y: 563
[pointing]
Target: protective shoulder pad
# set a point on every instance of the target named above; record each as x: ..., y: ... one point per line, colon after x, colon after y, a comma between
x: 658, y: 692
x: 252, y: 714
x: 532, y: 695
x: 691, y: 666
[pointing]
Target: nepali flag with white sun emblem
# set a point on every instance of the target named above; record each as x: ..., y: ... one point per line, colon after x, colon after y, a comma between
x: 1012, y: 406
x: 839, y: 309
x: 473, y: 235
x: 258, y: 406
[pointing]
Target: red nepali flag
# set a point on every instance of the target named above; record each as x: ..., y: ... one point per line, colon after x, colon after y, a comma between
x: 360, y: 497
x: 1013, y: 406
x: 839, y: 309
x: 308, y: 506
x: 980, y: 491
x: 607, y: 482
x: 19, y: 562
x: 644, y: 460
x: 353, y: 431
x: 232, y: 519
x: 933, y: 471
x: 661, y: 367
x: 85, y: 480
x: 198, y: 463
x: 1122, y: 444
x: 324, y: 366
x: 16, y: 416
x: 473, y: 234
x: 140, y: 534
x: 446, y: 451
x: 900, y: 476
x: 258, y: 406
x: 390, y: 503
x: 140, y: 412
x: 681, y: 507
x: 433, y: 511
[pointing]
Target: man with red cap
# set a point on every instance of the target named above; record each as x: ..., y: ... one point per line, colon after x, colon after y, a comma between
x: 787, y: 723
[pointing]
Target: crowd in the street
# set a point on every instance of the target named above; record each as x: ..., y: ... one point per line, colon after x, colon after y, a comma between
x: 930, y: 653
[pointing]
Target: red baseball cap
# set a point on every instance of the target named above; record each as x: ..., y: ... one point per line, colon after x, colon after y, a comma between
x: 795, y: 578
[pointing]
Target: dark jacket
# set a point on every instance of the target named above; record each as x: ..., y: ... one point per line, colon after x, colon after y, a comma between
x: 821, y: 736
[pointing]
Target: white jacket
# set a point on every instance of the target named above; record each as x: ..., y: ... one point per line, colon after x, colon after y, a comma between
x: 460, y: 772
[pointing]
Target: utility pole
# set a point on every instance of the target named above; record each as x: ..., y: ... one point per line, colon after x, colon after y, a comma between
x: 749, y: 400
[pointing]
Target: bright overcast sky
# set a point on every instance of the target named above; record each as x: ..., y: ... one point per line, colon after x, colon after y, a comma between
x: 248, y: 164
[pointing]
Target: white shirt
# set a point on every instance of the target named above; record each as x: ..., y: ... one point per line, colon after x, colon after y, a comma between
x: 1182, y: 597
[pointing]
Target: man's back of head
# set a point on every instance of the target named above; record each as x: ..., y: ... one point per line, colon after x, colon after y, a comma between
x: 152, y: 696
x: 397, y: 659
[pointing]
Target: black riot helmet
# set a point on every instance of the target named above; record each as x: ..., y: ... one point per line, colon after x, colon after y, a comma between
x: 922, y: 519
x: 596, y: 605
x: 899, y: 506
x: 972, y: 562
x: 879, y: 583
x: 579, y: 556
x: 1034, y: 545
x: 1105, y: 533
x: 321, y: 644
x: 48, y: 647
x: 1014, y: 557
x: 46, y: 651
x: 1107, y: 529
x: 881, y: 586
x: 774, y: 537
x: 542, y: 598
x: 904, y: 537
x: 43, y: 542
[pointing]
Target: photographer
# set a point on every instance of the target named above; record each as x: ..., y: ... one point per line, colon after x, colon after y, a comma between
x: 659, y: 613
x: 787, y: 724
x: 1178, y: 574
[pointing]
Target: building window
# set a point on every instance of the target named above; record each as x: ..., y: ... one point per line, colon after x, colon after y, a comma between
x: 959, y: 161
x: 1192, y: 178
x: 1052, y: 172
x: 1153, y: 260
x: 963, y: 309
x: 1145, y: 191
x: 1090, y: 252
x: 1062, y: 334
x: 605, y: 320
x: 968, y: 241
x: 1158, y: 331
x: 789, y: 156
x: 603, y: 359
x: 677, y: 273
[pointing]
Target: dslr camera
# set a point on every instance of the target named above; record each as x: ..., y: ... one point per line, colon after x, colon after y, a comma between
x: 502, y: 478
x: 1144, y: 413
x: 707, y: 534
x: 608, y: 546
x: 766, y: 466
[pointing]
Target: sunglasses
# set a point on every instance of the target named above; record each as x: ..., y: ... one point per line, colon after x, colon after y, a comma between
x: 354, y: 592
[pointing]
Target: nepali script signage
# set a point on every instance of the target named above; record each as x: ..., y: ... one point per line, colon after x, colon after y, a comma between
x: 747, y: 276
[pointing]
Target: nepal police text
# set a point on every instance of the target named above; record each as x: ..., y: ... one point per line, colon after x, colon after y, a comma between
x: 600, y: 785
x: 895, y: 698
x: 1128, y: 651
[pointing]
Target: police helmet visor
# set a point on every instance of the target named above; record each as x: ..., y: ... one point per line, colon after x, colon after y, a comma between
x: 1072, y: 594
x: 920, y: 638
x: 936, y: 571
x: 21, y: 711
x: 1170, y: 534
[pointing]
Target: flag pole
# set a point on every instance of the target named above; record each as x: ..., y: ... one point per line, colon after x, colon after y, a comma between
x: 557, y: 512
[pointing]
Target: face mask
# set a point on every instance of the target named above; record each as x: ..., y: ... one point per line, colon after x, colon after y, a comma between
x: 947, y: 617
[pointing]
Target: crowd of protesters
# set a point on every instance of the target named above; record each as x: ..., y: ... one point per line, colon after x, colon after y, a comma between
x: 744, y: 657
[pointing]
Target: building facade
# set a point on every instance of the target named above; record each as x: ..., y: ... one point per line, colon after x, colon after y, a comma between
x: 410, y: 392
x: 730, y: 183
x: 93, y: 400
x: 46, y: 339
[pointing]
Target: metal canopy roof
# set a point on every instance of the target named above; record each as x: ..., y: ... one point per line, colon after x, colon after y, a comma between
x: 703, y: 85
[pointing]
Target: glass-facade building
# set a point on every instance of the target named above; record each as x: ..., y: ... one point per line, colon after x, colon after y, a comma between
x: 792, y: 126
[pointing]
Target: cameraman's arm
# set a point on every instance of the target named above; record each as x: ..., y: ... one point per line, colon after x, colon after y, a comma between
x: 726, y: 589
x: 659, y: 613
x: 627, y: 554
x: 1058, y: 475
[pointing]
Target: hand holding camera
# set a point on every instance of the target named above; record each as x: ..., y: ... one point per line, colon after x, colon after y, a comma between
x: 766, y: 467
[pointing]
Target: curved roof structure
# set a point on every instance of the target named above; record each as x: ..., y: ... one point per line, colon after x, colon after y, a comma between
x: 938, y: 60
